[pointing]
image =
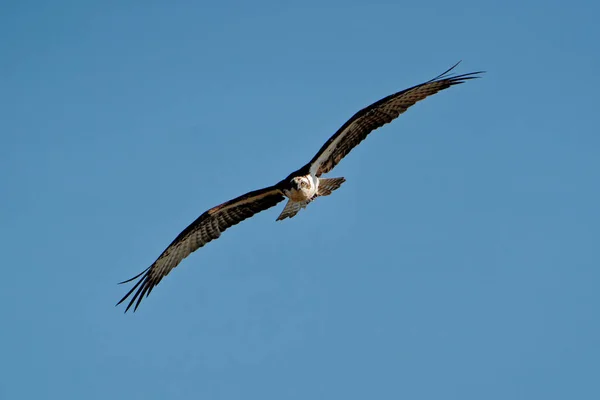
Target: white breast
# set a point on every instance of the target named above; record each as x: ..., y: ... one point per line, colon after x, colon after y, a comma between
x: 305, y: 193
x: 314, y: 185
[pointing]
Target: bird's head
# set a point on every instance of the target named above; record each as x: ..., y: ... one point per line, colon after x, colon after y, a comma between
x: 299, y: 183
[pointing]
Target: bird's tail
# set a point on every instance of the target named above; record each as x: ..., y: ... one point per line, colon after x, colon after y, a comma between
x: 328, y: 185
x: 292, y: 208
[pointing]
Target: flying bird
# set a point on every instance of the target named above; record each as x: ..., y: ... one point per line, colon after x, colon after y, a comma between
x: 301, y: 187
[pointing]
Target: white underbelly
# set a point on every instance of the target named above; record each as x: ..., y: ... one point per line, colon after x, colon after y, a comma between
x: 304, y: 194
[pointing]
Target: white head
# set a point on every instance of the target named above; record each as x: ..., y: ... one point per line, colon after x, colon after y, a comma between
x: 300, y: 182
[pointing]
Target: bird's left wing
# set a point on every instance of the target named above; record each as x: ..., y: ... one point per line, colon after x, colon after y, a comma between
x: 384, y: 111
x: 205, y: 228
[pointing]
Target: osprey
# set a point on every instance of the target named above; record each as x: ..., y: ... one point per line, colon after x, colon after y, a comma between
x: 301, y: 187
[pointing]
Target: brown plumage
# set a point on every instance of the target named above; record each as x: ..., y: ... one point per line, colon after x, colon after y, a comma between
x: 384, y: 111
x: 301, y: 186
x: 205, y: 228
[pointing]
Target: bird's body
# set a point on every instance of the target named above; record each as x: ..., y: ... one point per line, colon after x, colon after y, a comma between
x: 301, y: 187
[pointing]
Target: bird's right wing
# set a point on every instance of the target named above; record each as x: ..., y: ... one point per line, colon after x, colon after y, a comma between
x: 205, y: 228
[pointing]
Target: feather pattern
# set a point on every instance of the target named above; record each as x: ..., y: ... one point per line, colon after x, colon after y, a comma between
x: 205, y: 228
x: 212, y: 223
x: 384, y: 111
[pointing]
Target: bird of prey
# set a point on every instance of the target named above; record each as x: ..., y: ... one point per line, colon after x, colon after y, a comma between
x: 301, y: 187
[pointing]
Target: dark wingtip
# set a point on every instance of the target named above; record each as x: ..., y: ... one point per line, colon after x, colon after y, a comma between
x: 135, y: 277
x: 144, y: 282
x: 443, y: 74
x: 456, y: 79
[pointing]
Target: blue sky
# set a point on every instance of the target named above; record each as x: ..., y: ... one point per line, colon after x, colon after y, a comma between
x: 460, y: 260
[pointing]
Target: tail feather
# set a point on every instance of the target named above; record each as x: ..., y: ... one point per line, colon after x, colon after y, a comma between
x: 328, y: 185
x: 291, y: 209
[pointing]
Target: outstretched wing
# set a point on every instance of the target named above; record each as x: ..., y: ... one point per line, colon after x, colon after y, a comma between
x: 356, y: 129
x: 205, y: 228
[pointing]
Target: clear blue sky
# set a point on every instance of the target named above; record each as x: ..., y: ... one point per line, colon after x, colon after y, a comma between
x: 460, y: 260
